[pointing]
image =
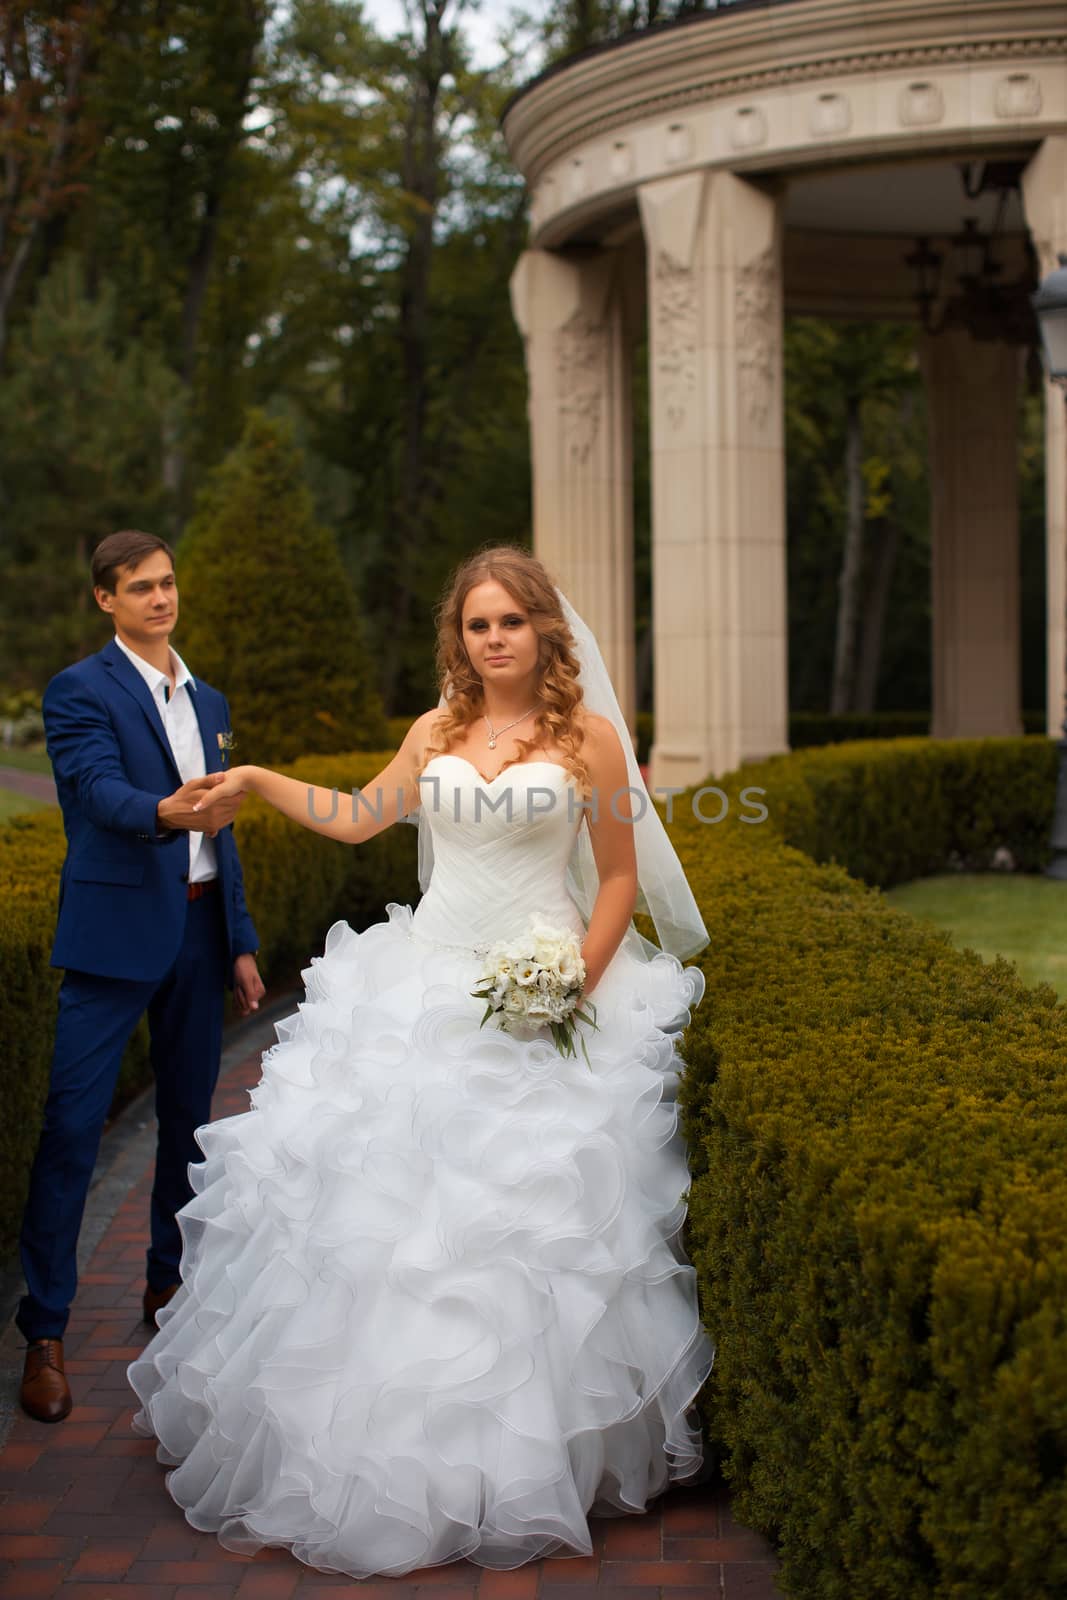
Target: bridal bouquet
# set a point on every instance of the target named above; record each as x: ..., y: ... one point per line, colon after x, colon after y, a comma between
x: 534, y: 980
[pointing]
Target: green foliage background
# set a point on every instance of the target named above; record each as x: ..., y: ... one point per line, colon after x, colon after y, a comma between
x: 270, y: 609
x: 277, y: 206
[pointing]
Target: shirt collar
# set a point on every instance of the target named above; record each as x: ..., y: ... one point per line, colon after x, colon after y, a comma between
x: 155, y: 679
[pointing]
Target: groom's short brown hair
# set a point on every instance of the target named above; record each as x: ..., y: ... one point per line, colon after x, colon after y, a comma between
x: 126, y: 549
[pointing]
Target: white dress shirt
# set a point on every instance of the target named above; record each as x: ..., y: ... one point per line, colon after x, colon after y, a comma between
x: 175, y: 707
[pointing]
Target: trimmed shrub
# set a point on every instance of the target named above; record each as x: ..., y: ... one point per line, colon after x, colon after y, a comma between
x: 31, y: 854
x: 876, y: 1124
x: 893, y: 812
x: 807, y: 728
x: 810, y: 728
x: 269, y: 610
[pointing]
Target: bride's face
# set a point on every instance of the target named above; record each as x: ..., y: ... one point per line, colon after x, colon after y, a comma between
x: 499, y: 637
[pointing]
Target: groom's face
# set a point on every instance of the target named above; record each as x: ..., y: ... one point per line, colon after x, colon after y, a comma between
x: 144, y: 606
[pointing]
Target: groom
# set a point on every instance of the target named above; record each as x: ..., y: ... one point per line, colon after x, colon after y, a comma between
x: 152, y: 917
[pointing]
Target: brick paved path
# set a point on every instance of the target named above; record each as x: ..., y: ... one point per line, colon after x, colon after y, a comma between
x: 84, y: 1510
x: 35, y: 784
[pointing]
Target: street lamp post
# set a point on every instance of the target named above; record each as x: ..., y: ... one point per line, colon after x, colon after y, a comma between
x: 1050, y: 306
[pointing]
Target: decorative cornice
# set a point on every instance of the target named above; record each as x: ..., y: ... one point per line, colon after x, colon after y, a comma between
x: 627, y: 110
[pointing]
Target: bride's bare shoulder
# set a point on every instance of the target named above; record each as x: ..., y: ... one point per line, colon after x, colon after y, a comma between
x: 599, y: 731
x: 421, y: 733
x: 602, y: 750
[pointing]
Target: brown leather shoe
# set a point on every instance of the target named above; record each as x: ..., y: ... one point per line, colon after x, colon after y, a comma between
x: 155, y: 1299
x: 45, y: 1392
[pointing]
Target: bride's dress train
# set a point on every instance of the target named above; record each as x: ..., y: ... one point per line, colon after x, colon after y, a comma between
x: 433, y: 1302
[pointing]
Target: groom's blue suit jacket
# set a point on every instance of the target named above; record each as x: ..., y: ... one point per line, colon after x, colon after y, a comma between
x: 123, y: 892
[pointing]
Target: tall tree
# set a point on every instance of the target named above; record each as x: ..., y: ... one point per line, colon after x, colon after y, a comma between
x: 81, y: 446
x: 331, y: 238
x: 46, y: 137
x: 174, y: 93
x: 421, y: 397
x: 851, y: 574
x: 570, y: 25
x: 857, y: 515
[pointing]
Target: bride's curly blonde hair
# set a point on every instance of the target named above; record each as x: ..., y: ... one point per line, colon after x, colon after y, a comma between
x: 559, y: 720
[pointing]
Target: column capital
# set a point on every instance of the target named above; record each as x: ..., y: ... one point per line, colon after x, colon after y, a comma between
x: 550, y: 287
x: 670, y: 216
x: 1044, y: 189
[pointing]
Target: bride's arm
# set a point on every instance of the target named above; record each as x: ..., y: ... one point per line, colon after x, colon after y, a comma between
x: 390, y: 795
x: 612, y: 838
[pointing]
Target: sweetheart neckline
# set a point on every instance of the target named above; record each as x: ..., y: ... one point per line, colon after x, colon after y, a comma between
x: 515, y: 764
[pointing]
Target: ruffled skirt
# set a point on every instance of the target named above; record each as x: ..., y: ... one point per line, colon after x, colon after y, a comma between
x: 434, y: 1303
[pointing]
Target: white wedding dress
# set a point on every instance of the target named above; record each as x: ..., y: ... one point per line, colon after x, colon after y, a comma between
x: 434, y: 1304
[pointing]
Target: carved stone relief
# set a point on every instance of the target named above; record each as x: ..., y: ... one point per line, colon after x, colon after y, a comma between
x: 676, y: 336
x: 622, y: 159
x: 830, y: 114
x: 920, y: 105
x: 579, y: 353
x: 749, y: 128
x: 577, y: 178
x: 1018, y: 95
x: 755, y: 310
x: 679, y: 142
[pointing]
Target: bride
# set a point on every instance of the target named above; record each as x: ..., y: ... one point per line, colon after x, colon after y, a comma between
x: 434, y: 1303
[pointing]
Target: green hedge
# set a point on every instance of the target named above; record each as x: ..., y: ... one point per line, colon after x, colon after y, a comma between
x: 891, y: 812
x: 876, y: 1125
x: 808, y: 728
x: 297, y: 884
x: 31, y: 853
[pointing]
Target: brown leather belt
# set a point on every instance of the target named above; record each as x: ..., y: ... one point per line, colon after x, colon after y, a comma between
x: 196, y: 890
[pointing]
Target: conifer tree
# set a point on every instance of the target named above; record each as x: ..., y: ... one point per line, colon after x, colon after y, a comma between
x: 82, y: 429
x: 268, y: 612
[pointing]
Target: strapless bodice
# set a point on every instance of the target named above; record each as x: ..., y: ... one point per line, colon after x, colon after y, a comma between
x: 500, y: 850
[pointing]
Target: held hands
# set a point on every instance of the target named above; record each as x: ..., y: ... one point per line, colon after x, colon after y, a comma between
x: 217, y: 806
x: 177, y: 811
x: 248, y: 986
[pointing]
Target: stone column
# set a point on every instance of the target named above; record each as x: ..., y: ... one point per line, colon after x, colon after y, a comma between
x: 718, y: 474
x: 569, y: 308
x: 972, y: 399
x: 1045, y: 204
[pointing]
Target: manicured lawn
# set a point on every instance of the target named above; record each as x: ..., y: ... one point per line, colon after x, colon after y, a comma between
x: 1008, y: 914
x: 11, y: 804
x: 26, y: 760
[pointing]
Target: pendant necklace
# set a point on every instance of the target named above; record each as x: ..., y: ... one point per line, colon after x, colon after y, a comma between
x: 494, y: 733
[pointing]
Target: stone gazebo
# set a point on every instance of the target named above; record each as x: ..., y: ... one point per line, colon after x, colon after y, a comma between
x: 764, y: 157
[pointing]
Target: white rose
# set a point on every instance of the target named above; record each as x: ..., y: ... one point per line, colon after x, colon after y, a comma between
x: 549, y: 949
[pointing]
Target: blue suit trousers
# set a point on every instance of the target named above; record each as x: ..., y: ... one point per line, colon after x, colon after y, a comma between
x: 96, y: 1018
